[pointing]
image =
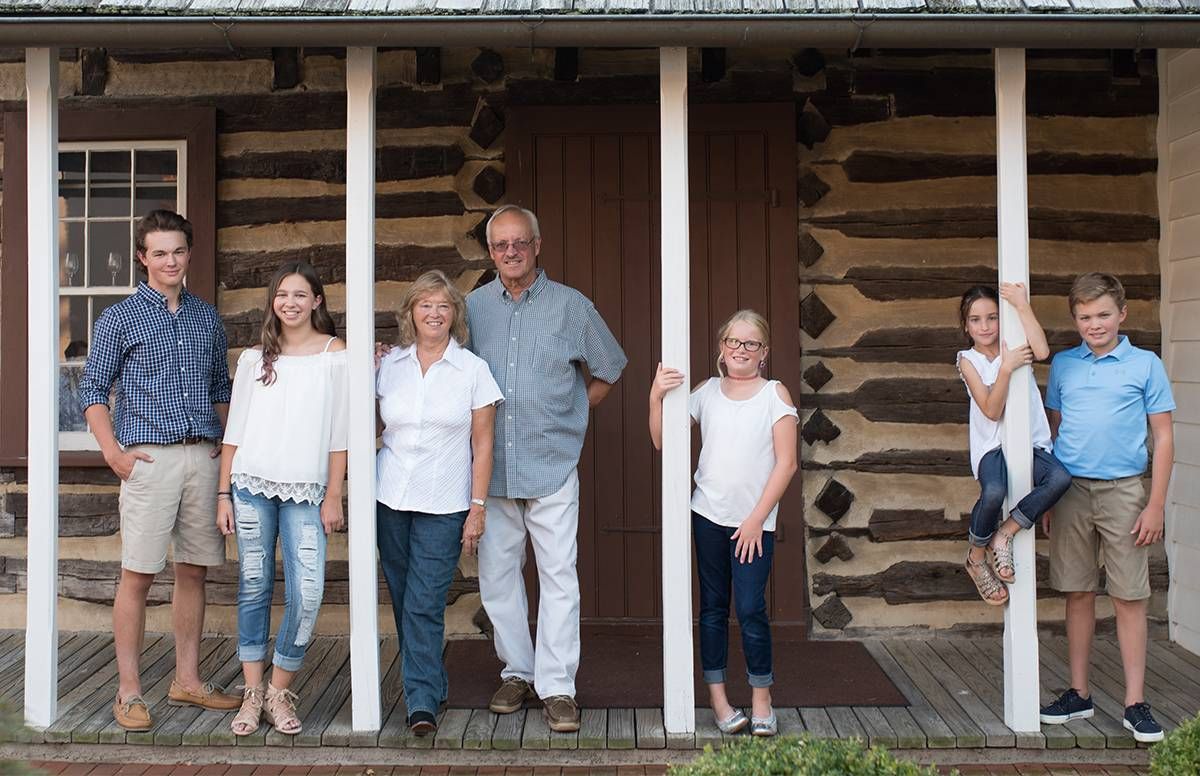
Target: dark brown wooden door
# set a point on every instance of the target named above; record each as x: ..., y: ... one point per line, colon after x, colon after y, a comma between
x: 591, y: 175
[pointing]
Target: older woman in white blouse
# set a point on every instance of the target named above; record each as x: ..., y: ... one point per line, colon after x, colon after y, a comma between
x: 437, y: 406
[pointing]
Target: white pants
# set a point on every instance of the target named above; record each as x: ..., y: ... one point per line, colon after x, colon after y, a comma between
x: 552, y: 523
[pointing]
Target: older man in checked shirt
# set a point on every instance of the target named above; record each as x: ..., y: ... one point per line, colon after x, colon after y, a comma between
x: 554, y: 358
x: 166, y: 350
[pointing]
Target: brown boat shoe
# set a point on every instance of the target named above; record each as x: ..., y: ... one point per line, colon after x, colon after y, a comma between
x: 207, y: 697
x: 132, y: 714
x: 561, y: 713
x: 511, y: 696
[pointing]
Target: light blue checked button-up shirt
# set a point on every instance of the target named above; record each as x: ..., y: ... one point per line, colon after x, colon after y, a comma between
x: 171, y: 367
x: 537, y: 349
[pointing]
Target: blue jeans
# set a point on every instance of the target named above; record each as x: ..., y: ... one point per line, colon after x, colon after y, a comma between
x: 1050, y: 481
x: 719, y: 568
x: 259, y: 520
x: 419, y: 553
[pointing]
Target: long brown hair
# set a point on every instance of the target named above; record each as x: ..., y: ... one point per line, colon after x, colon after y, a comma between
x: 969, y: 298
x: 321, y: 319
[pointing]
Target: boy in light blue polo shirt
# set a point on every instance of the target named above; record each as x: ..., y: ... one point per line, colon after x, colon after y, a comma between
x: 1098, y: 400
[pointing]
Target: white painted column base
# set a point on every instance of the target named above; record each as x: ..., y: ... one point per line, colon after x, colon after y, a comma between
x: 41, y: 600
x: 679, y: 697
x: 1020, y: 616
x: 360, y: 346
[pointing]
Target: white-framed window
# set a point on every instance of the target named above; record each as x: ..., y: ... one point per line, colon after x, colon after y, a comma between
x: 103, y: 189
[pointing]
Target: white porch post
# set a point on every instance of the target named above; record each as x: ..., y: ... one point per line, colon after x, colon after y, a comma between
x: 41, y: 597
x: 679, y: 712
x: 360, y: 344
x: 1020, y: 616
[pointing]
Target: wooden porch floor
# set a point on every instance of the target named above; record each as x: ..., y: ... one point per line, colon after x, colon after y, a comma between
x: 954, y: 686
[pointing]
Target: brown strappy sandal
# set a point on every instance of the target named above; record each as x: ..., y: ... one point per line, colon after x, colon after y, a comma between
x: 280, y: 711
x: 991, y: 589
x: 249, y: 716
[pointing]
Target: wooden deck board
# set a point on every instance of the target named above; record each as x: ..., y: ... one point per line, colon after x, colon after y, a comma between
x: 478, y: 733
x: 938, y: 734
x: 622, y: 730
x: 879, y: 732
x: 954, y: 685
x: 649, y: 728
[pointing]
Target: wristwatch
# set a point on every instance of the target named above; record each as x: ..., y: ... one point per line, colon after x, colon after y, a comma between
x: 479, y: 502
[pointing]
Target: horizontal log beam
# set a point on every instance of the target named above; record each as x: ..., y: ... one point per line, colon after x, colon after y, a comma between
x: 892, y: 283
x: 254, y: 212
x: 253, y: 269
x: 95, y: 581
x: 392, y: 163
x: 948, y: 463
x: 79, y: 514
x: 936, y: 345
x: 244, y: 329
x: 898, y: 400
x: 1044, y: 224
x: 909, y: 582
x: 889, y: 167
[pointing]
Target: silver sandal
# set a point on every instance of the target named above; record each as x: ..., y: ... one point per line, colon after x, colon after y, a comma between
x: 1002, y: 559
x: 734, y: 723
x: 764, y: 727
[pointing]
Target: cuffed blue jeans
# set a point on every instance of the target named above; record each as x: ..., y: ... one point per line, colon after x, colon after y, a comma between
x: 719, y: 569
x: 1050, y: 482
x: 419, y: 553
x: 259, y: 521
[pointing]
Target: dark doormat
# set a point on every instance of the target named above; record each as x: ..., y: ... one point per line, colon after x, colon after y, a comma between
x: 619, y: 670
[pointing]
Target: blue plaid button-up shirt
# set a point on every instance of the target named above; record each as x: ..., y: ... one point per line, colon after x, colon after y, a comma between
x: 537, y: 348
x: 171, y: 368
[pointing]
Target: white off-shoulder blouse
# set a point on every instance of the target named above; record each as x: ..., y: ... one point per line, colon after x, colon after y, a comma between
x: 285, y: 431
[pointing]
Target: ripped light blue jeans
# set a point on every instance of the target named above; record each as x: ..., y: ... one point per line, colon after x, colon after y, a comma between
x: 259, y: 520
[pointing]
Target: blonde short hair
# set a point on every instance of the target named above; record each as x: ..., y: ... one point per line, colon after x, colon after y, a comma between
x: 1090, y: 286
x: 742, y: 316
x: 432, y: 282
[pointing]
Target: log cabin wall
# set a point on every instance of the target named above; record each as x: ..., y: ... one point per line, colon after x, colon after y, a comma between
x: 897, y: 217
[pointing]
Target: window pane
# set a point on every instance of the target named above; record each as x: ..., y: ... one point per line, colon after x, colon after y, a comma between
x: 74, y: 327
x: 69, y: 416
x: 71, y: 181
x: 156, y: 176
x: 70, y: 264
x: 102, y: 303
x: 109, y: 191
x: 108, y: 254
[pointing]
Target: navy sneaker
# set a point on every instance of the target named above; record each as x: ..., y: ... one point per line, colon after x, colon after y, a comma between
x: 1139, y: 721
x: 1069, y: 706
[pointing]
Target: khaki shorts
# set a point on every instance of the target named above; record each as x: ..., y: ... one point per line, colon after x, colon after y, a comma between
x: 173, y: 497
x: 1091, y: 528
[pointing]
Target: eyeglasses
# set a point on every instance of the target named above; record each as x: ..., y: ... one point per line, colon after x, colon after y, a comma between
x: 751, y: 346
x: 519, y: 245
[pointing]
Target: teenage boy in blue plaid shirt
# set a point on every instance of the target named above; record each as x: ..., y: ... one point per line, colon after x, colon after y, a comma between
x: 164, y: 350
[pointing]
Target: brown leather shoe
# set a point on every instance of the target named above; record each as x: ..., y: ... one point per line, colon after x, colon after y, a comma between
x: 561, y: 713
x: 511, y: 696
x: 132, y: 714
x: 208, y: 697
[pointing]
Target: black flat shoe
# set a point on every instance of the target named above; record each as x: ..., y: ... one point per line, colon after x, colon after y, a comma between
x: 422, y: 723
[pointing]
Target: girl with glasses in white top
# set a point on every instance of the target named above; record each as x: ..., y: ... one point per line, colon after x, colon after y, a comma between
x: 283, y: 466
x: 747, y: 458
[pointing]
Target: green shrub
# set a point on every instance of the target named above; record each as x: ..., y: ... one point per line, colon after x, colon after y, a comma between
x: 10, y: 722
x: 1179, y: 752
x: 804, y: 756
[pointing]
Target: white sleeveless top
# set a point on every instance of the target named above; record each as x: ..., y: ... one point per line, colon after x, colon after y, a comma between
x: 737, y: 451
x: 285, y: 431
x: 986, y: 433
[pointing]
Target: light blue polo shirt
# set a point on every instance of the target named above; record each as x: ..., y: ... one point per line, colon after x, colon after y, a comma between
x: 1104, y: 403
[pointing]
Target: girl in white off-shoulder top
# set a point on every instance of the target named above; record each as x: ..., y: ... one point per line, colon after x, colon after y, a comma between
x: 282, y: 469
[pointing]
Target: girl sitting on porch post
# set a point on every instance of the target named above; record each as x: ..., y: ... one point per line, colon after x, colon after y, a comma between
x: 747, y: 458
x: 282, y: 470
x: 986, y: 368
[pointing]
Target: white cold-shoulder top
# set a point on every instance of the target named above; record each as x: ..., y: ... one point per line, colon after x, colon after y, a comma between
x: 986, y: 433
x: 285, y: 431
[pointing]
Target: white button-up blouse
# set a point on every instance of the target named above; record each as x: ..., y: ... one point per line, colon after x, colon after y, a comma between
x: 425, y: 462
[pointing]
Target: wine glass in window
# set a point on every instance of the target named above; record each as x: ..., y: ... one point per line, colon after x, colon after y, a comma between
x: 115, y: 263
x: 71, y: 265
